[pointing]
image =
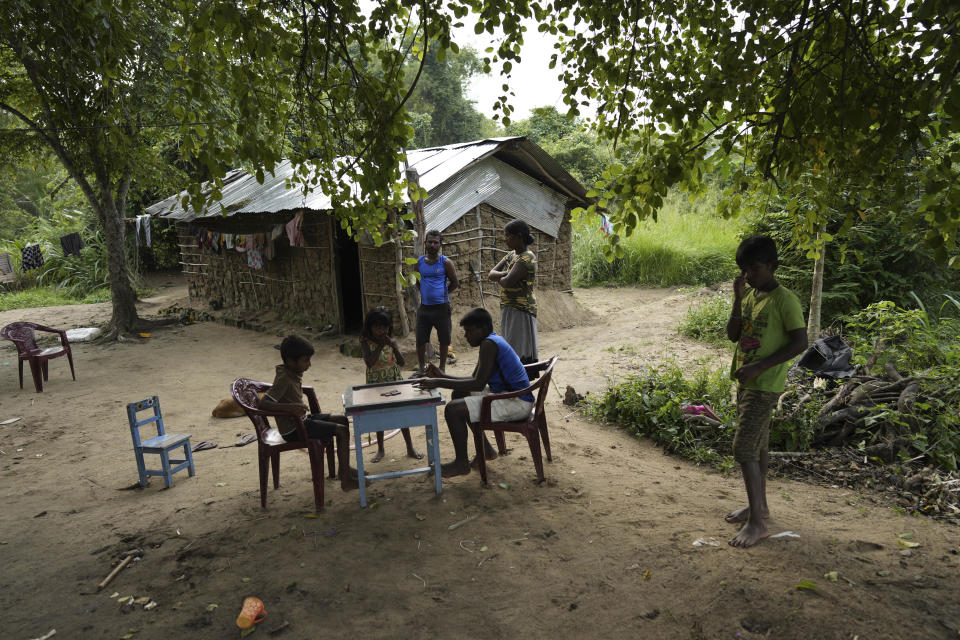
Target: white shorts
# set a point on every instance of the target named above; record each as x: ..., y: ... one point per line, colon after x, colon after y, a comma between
x: 505, y: 410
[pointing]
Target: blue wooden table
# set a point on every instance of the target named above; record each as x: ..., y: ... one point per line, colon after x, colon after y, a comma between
x: 394, y: 405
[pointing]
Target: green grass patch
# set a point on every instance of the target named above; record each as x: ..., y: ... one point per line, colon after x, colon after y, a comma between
x: 706, y: 321
x: 687, y: 245
x: 48, y: 297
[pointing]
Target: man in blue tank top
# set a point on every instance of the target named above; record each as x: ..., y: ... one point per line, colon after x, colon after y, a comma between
x: 438, y: 279
x: 499, y: 367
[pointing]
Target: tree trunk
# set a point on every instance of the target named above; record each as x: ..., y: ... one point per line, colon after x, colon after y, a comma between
x: 122, y: 295
x: 816, y: 295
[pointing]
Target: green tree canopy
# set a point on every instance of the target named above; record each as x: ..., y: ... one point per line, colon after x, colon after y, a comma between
x: 768, y: 91
x: 107, y: 85
x: 568, y: 140
x: 441, y: 112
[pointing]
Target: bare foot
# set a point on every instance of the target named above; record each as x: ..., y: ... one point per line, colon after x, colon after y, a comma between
x: 451, y: 469
x: 487, y: 455
x: 750, y: 535
x: 413, y: 453
x: 378, y: 457
x: 741, y: 515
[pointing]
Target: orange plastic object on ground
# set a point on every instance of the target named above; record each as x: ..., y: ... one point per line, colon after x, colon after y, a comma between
x: 252, y: 613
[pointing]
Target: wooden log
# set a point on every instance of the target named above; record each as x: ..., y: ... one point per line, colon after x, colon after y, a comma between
x: 908, y: 397
x: 849, y: 413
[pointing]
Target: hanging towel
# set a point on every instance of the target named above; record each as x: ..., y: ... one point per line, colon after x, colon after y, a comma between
x: 31, y: 258
x: 240, y: 242
x: 143, y: 222
x: 71, y: 243
x: 228, y: 240
x: 254, y: 258
x: 293, y: 230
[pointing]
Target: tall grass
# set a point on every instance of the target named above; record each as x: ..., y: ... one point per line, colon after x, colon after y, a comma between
x: 76, y: 278
x: 688, y: 245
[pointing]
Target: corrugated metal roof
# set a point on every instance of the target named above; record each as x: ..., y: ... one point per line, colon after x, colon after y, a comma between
x: 505, y: 188
x: 435, y: 166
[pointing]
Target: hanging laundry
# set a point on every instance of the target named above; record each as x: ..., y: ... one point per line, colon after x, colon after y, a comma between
x: 240, y: 242
x: 270, y: 247
x: 228, y: 240
x: 213, y: 241
x: 254, y: 258
x: 71, y: 243
x: 294, y: 233
x: 143, y: 222
x: 30, y: 258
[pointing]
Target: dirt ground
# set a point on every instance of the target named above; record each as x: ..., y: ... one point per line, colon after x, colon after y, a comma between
x: 605, y: 548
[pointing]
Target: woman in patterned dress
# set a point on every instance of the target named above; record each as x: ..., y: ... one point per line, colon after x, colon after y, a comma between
x: 516, y: 275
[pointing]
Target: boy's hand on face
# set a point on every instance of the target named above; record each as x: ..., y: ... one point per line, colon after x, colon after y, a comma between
x: 739, y: 286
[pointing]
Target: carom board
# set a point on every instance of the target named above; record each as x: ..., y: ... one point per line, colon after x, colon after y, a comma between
x: 394, y: 394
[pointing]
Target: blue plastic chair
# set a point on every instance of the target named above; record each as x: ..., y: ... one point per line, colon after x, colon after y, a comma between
x: 161, y: 445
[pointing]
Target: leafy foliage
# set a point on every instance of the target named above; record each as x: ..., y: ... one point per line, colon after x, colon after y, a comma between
x: 766, y: 92
x: 567, y: 140
x: 882, y: 256
x: 908, y: 338
x: 706, y: 321
x: 926, y: 346
x: 440, y: 112
x: 73, y: 276
x: 651, y: 405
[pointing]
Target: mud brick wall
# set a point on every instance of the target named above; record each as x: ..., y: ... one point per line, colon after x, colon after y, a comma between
x: 302, y: 282
x: 476, y: 244
x: 378, y: 272
x: 297, y: 282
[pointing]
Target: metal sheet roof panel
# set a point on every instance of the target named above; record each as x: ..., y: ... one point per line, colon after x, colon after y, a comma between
x: 435, y: 167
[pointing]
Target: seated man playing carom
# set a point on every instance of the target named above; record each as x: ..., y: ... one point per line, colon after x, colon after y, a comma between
x: 497, y: 366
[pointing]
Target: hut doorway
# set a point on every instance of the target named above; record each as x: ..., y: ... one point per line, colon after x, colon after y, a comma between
x: 351, y: 291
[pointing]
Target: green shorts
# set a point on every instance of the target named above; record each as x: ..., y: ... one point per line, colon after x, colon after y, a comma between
x: 754, y: 410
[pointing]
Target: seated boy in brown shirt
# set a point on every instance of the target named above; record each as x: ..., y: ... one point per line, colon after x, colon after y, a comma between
x: 286, y: 395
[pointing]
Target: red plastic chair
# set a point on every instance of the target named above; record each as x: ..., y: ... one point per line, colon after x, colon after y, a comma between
x: 22, y: 335
x: 270, y: 443
x: 534, y: 428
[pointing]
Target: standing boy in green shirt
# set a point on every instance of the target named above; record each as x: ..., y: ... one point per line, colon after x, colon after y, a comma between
x: 767, y: 324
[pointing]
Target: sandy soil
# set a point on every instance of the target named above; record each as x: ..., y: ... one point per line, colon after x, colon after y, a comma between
x: 604, y: 548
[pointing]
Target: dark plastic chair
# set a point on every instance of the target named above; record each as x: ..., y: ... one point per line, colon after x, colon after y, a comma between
x: 22, y: 335
x: 534, y: 428
x: 270, y: 443
x: 162, y: 445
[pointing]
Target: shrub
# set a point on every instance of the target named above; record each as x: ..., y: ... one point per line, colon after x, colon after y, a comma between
x: 707, y: 321
x: 880, y: 258
x: 650, y: 404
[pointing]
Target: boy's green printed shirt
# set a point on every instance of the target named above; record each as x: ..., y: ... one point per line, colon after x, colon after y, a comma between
x: 764, y: 326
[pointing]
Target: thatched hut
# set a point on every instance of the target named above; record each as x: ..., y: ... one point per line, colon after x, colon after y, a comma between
x: 331, y: 279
